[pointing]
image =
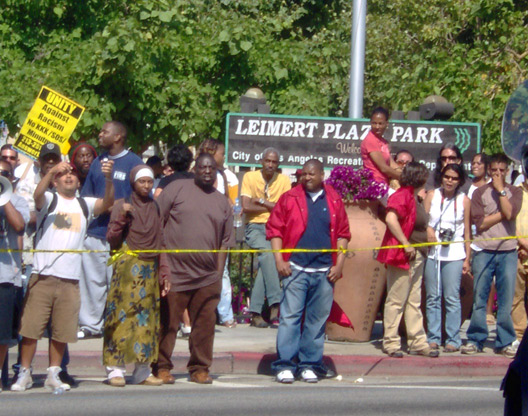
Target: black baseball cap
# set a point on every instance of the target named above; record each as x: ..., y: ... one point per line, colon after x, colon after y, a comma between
x: 49, y: 149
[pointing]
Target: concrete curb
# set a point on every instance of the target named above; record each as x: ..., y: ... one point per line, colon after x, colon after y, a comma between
x: 90, y: 363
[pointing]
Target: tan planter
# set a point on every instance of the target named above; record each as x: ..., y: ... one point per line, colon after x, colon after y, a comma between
x: 360, y: 290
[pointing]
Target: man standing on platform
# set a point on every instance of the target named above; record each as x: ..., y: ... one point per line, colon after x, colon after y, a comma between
x: 260, y: 191
x: 97, y: 275
x: 195, y: 216
x: 311, y: 216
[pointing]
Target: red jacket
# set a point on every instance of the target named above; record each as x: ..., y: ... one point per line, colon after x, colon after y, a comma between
x: 289, y: 218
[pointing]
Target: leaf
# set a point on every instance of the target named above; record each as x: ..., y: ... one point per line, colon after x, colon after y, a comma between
x: 245, y: 45
x: 58, y: 11
x: 281, y: 73
x: 166, y: 16
x: 129, y: 46
x: 223, y: 36
x: 144, y: 15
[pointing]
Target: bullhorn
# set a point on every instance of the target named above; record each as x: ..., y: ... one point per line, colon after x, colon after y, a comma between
x: 6, y: 190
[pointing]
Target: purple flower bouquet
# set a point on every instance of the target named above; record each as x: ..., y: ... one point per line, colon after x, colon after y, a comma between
x: 355, y: 185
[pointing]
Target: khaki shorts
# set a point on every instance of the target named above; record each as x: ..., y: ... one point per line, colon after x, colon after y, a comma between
x: 54, y: 300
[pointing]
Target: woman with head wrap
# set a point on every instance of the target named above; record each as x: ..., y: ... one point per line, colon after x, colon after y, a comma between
x: 131, y: 329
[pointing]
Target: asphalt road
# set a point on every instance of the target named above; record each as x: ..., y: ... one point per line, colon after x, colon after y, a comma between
x: 259, y: 395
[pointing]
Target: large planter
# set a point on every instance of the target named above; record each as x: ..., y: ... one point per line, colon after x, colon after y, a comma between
x: 360, y: 290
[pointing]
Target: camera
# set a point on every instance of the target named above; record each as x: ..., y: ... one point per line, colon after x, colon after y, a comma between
x: 446, y: 234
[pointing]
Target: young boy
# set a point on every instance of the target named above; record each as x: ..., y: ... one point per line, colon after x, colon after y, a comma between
x: 53, y: 289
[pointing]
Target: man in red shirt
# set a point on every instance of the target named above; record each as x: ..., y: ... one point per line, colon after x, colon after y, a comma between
x: 311, y: 216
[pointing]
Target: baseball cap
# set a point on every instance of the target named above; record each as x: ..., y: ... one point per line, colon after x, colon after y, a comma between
x: 49, y: 149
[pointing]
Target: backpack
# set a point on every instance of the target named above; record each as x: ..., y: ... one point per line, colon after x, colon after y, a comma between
x: 51, y: 208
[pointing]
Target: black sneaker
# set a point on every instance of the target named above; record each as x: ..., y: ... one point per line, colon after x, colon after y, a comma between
x: 66, y: 378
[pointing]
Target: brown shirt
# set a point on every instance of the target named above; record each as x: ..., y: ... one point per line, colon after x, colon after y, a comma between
x: 484, y: 202
x: 194, y: 219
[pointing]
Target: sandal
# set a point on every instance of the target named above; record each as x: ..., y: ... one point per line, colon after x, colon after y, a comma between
x: 434, y: 346
x: 450, y: 348
x: 229, y: 324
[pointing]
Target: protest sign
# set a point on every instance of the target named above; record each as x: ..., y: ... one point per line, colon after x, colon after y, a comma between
x: 52, y: 118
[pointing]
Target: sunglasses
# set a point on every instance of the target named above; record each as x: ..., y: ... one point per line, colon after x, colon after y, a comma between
x: 9, y: 158
x: 451, y: 178
x: 446, y: 158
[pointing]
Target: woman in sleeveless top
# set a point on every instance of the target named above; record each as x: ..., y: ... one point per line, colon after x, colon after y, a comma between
x: 449, y: 222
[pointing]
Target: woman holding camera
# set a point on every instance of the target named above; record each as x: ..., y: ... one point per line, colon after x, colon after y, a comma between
x: 449, y: 222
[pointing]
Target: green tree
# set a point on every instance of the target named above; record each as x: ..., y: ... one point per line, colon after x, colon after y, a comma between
x: 472, y: 52
x: 172, y: 69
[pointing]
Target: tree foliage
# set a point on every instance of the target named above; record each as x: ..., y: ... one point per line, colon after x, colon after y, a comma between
x: 472, y: 52
x: 172, y: 69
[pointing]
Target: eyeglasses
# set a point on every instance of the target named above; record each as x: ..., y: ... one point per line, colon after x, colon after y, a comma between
x: 9, y: 157
x: 5, y: 173
x: 402, y: 162
x: 451, y: 178
x: 446, y: 158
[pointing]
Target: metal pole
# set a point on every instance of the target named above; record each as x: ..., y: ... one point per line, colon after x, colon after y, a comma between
x: 357, y: 59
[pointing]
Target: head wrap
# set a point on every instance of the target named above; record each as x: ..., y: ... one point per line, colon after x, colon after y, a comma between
x: 78, y: 146
x: 136, y: 170
x: 144, y: 227
x: 144, y: 173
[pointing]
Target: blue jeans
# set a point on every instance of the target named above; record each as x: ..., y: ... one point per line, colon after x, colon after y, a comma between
x: 502, y: 265
x: 224, y: 308
x: 301, y: 346
x: 267, y: 284
x: 449, y: 286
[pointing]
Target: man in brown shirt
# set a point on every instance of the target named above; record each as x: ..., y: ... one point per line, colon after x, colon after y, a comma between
x: 195, y: 216
x: 494, y: 208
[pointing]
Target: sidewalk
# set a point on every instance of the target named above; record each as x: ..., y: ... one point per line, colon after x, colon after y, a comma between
x: 249, y: 350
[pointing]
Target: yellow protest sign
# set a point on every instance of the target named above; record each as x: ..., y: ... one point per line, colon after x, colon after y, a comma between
x: 52, y: 118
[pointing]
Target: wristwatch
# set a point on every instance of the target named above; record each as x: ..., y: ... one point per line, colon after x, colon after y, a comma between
x: 503, y: 192
x: 262, y: 201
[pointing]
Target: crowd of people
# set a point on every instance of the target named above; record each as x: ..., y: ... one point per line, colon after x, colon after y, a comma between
x: 122, y: 211
x: 487, y: 210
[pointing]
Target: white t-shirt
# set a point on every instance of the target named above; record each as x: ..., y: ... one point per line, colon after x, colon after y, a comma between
x: 232, y: 181
x: 64, y: 228
x: 450, y: 216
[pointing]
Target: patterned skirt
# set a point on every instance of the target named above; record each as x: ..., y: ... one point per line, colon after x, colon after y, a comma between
x: 131, y: 331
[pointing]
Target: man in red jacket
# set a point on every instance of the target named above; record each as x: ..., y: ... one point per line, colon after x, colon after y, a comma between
x: 311, y: 216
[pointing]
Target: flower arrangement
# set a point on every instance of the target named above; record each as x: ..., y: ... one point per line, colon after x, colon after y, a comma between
x: 354, y: 185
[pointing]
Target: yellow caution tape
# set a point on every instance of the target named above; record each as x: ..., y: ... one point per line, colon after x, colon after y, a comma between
x: 256, y: 251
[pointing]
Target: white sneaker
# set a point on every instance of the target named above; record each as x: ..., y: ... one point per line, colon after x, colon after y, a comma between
x: 308, y: 376
x: 515, y: 345
x: 53, y: 381
x: 185, y: 330
x: 24, y: 380
x: 285, y: 377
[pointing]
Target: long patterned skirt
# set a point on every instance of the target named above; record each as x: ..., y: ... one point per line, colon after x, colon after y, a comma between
x: 131, y: 330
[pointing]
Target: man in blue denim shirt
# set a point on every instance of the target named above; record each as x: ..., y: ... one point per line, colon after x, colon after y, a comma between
x: 311, y: 216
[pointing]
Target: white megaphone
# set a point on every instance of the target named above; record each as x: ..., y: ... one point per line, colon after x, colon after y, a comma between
x: 6, y: 190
